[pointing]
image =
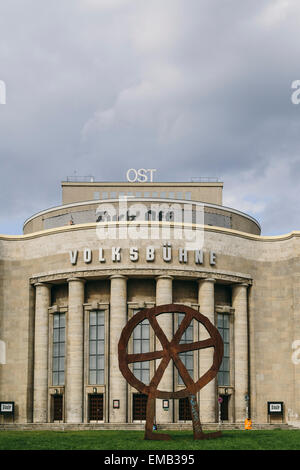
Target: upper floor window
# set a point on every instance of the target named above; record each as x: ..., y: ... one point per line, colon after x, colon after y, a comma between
x: 186, y: 357
x: 224, y: 329
x: 141, y: 344
x: 58, y: 349
x: 96, y: 347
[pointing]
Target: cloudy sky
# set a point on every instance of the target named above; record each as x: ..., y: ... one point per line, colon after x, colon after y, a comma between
x: 190, y: 87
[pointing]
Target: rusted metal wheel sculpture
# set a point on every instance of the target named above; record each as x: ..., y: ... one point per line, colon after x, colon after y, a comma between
x: 171, y: 351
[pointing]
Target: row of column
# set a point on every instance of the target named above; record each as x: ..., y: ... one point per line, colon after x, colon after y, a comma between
x: 74, y: 388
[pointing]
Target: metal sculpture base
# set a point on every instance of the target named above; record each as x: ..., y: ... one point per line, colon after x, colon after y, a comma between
x: 197, y: 428
x: 150, y: 413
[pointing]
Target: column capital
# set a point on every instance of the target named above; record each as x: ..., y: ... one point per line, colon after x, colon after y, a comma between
x: 77, y: 279
x: 118, y: 276
x: 240, y: 284
x: 164, y: 276
x: 41, y: 284
x: 206, y: 279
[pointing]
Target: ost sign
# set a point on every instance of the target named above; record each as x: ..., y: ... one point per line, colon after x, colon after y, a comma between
x: 141, y: 175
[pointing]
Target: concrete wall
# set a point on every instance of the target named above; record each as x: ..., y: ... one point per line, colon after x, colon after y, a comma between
x: 270, y: 264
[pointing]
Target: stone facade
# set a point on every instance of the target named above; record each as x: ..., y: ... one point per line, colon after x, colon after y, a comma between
x: 255, y: 280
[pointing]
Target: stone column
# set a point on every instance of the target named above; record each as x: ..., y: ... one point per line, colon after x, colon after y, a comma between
x: 118, y: 319
x: 164, y: 296
x: 239, y: 303
x: 74, y: 342
x: 206, y: 300
x: 41, y: 332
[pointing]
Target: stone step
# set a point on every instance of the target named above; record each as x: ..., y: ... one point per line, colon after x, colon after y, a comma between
x: 134, y: 426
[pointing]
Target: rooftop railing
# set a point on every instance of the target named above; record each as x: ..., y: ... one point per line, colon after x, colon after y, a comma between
x: 204, y: 179
x: 80, y: 179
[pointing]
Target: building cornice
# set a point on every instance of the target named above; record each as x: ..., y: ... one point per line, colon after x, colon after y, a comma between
x: 207, y: 228
x: 142, y: 272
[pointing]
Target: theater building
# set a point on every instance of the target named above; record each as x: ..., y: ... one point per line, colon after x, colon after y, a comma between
x: 80, y: 271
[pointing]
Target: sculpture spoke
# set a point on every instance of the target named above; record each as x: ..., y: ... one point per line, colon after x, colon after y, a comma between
x: 206, y: 343
x: 181, y: 329
x: 159, y: 332
x: 187, y: 380
x: 142, y: 357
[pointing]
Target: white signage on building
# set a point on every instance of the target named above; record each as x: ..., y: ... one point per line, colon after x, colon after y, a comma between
x: 6, y: 407
x: 150, y: 254
x: 275, y: 408
x: 142, y: 175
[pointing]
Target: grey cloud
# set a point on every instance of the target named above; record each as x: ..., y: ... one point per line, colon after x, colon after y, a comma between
x: 99, y: 86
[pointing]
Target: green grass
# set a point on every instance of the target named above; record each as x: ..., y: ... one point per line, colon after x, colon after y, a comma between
x: 134, y: 440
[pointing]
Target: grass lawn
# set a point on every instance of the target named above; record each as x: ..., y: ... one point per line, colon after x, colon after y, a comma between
x: 134, y: 440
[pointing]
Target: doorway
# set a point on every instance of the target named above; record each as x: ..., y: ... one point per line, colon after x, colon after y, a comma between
x: 184, y: 409
x: 96, y: 407
x: 139, y: 404
x: 225, y: 408
x: 57, y: 401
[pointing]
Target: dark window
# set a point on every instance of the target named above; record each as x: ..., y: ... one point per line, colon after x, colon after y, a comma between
x: 224, y: 408
x: 184, y: 409
x: 224, y: 371
x: 96, y: 353
x: 58, y: 352
x: 139, y: 406
x: 57, y: 407
x: 96, y: 407
x: 186, y: 357
x: 141, y: 344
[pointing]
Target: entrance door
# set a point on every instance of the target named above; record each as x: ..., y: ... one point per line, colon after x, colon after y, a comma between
x: 96, y: 407
x: 224, y: 408
x: 184, y: 409
x: 57, y: 407
x: 139, y: 406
